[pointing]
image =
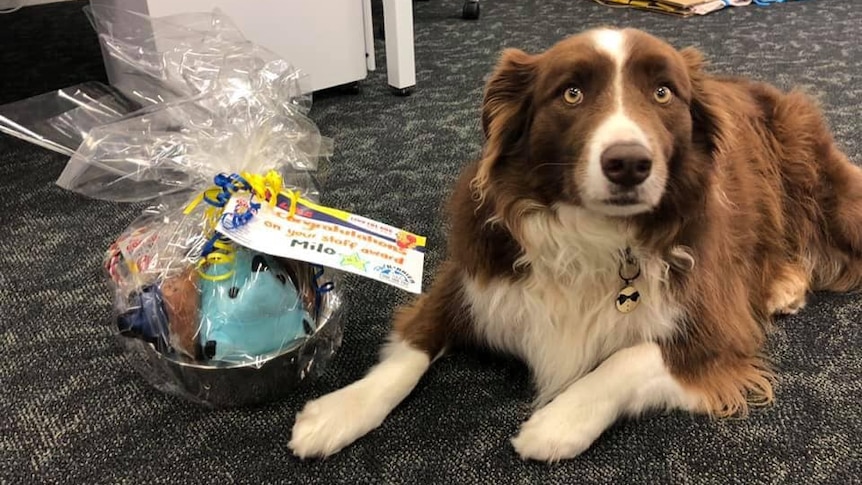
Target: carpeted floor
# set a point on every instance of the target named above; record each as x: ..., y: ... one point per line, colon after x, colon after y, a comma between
x: 73, y: 411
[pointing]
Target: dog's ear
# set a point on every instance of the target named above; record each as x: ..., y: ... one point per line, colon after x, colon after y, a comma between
x: 708, y: 118
x: 694, y: 60
x: 506, y: 90
x: 504, y: 110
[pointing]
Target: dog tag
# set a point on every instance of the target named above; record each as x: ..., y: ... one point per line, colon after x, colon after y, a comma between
x: 628, y: 299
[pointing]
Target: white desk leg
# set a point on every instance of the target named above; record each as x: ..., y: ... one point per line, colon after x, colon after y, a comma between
x: 400, y: 60
x: 370, y: 59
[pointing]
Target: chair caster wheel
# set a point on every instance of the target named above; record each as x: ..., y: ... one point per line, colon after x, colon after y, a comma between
x: 402, y: 91
x: 351, y: 88
x: 471, y: 10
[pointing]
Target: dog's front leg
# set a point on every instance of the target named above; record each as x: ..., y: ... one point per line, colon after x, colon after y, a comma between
x: 328, y: 424
x: 422, y: 331
x: 629, y: 382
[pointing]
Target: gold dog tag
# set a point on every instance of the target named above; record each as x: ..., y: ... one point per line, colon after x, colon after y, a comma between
x: 628, y: 299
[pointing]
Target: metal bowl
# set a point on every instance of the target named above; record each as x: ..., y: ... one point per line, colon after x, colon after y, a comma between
x: 231, y: 385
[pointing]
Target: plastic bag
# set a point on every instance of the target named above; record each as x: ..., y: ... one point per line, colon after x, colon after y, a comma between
x: 214, y: 103
x: 158, y: 60
x: 200, y: 315
x: 60, y: 120
x: 180, y: 146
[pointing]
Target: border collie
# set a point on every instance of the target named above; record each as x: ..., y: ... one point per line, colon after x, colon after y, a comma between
x: 630, y: 231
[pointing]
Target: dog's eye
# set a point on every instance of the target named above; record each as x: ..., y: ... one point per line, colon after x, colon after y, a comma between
x: 573, y: 95
x: 663, y: 95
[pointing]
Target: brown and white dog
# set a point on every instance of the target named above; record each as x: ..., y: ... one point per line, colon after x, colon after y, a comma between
x: 631, y: 229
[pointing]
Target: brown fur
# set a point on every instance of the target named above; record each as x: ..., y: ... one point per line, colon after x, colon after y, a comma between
x: 769, y: 207
x: 777, y: 164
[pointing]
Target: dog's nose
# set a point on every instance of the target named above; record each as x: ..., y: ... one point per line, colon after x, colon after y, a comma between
x: 626, y: 164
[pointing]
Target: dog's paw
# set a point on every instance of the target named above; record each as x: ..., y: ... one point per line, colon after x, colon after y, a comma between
x: 788, y: 293
x: 791, y: 308
x: 553, y: 433
x: 328, y: 424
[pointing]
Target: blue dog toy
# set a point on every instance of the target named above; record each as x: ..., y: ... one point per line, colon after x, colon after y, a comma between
x: 146, y: 316
x: 249, y: 308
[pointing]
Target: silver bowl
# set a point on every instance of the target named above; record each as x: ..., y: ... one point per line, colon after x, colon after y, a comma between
x: 231, y: 385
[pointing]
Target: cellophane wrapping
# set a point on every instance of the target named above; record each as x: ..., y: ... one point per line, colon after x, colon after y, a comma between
x: 216, y: 115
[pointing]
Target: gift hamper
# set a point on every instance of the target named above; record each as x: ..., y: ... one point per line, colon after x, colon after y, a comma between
x: 199, y: 115
x: 227, y: 289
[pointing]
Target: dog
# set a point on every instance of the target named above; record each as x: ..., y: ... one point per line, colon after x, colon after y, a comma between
x: 632, y: 229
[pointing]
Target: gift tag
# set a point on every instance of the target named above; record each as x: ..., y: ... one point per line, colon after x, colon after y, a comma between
x: 299, y: 229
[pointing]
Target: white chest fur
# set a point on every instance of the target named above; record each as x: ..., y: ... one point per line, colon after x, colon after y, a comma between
x: 563, y: 319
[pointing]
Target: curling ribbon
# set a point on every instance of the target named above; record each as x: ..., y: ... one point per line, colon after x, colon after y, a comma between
x: 219, y: 249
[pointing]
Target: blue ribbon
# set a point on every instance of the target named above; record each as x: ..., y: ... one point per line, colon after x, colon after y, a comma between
x: 229, y: 184
x: 320, y: 290
x: 209, y: 246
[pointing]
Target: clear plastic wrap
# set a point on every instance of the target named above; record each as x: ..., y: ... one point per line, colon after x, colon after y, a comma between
x: 213, y: 103
x: 60, y: 120
x: 221, y: 333
x: 216, y: 117
x: 158, y: 60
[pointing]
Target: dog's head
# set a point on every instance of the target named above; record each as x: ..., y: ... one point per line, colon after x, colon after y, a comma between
x: 606, y: 120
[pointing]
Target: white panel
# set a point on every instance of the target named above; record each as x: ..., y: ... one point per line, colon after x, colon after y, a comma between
x: 327, y: 43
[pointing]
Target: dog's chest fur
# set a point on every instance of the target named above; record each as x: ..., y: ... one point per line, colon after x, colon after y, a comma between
x: 562, y: 318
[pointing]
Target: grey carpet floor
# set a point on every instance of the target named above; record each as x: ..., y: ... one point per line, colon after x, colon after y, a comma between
x: 73, y: 411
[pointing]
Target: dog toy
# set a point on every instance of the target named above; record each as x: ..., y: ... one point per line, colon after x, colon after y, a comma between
x: 146, y: 316
x: 181, y: 301
x: 249, y: 307
x: 233, y: 312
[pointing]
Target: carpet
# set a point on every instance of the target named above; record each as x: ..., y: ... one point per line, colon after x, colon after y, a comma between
x: 73, y: 411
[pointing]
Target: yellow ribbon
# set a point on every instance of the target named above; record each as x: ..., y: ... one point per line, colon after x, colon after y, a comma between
x: 223, y: 255
x: 294, y: 199
x: 265, y: 187
x: 271, y: 185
